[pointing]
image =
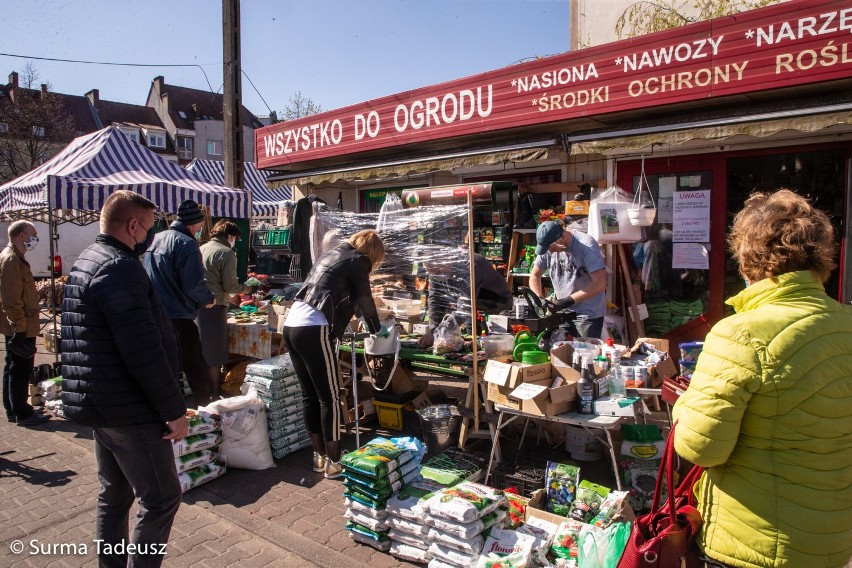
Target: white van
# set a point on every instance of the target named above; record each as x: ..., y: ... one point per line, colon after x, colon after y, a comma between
x: 72, y: 240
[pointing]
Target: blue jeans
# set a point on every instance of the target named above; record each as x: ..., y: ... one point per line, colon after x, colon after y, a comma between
x: 16, y: 383
x: 135, y: 460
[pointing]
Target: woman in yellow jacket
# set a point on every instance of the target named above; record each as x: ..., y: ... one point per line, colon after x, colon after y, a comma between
x: 769, y: 409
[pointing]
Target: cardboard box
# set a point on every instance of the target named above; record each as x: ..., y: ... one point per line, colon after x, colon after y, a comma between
x: 500, y: 395
x: 652, y: 347
x: 536, y: 508
x: 501, y: 378
x: 548, y: 397
x: 577, y: 207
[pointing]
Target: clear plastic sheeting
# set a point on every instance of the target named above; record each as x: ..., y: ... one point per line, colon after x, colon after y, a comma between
x: 425, y: 253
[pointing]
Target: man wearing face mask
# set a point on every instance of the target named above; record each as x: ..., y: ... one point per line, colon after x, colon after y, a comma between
x: 173, y: 262
x: 220, y: 274
x: 120, y: 366
x: 19, y: 323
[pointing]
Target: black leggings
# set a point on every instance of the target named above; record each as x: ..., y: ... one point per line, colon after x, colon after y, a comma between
x: 312, y: 350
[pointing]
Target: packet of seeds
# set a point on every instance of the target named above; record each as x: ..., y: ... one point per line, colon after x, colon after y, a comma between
x: 561, y: 482
x: 588, y: 502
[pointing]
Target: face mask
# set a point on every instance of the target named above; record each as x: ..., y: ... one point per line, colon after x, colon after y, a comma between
x: 232, y: 243
x: 198, y: 234
x: 31, y: 243
x: 140, y: 248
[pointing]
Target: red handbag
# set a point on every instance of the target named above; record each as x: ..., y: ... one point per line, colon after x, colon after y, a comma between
x: 665, y: 537
x: 672, y: 388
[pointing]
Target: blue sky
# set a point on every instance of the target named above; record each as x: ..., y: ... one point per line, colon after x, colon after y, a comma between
x: 336, y: 52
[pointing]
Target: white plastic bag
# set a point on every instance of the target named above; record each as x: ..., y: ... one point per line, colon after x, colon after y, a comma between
x: 245, y: 438
x: 609, y: 221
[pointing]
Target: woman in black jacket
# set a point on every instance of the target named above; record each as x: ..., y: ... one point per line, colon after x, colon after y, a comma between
x: 337, y: 287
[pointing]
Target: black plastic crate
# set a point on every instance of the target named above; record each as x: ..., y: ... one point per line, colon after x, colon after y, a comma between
x: 522, y: 474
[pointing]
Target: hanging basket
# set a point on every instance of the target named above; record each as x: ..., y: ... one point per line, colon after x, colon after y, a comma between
x: 643, y: 211
x: 642, y: 217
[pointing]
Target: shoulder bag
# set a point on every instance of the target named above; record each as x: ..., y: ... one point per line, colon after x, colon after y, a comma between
x: 665, y: 537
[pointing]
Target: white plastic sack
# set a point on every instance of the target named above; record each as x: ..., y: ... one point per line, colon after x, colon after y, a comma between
x: 245, y: 438
x: 608, y: 218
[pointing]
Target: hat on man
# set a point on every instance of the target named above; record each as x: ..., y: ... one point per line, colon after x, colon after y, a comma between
x: 189, y: 212
x: 547, y: 234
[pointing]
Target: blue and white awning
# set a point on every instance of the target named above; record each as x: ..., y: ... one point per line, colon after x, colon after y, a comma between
x: 264, y: 200
x: 94, y: 166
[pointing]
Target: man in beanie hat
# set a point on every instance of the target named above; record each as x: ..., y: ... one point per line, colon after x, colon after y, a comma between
x: 174, y: 264
x: 577, y: 272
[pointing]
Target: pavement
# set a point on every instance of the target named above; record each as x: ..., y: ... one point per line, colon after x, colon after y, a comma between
x: 288, y: 516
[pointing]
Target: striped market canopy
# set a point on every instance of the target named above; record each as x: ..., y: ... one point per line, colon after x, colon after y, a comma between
x: 92, y: 167
x: 264, y: 201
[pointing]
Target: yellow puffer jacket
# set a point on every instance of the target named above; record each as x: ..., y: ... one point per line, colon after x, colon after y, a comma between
x: 769, y: 414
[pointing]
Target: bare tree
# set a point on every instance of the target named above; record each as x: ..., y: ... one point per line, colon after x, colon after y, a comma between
x: 299, y: 106
x: 34, y: 126
x: 647, y: 16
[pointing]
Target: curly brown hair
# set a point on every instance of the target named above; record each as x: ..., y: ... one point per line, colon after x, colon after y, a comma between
x: 782, y: 232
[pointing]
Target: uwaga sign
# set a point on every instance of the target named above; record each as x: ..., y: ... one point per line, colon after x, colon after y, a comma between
x: 793, y: 43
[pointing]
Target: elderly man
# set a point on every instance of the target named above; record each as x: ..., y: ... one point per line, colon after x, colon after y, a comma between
x: 577, y: 272
x: 175, y: 266
x: 120, y: 376
x: 19, y: 304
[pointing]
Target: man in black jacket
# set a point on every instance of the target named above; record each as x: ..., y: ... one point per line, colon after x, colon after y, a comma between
x: 120, y: 364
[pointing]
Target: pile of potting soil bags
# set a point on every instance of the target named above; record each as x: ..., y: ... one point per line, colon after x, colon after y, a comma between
x: 196, y: 458
x: 373, y: 474
x: 276, y: 383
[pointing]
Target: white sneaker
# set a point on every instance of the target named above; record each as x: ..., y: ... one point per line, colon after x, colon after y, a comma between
x: 319, y: 463
x: 332, y: 469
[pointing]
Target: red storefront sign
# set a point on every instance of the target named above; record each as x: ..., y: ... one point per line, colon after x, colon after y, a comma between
x: 793, y: 43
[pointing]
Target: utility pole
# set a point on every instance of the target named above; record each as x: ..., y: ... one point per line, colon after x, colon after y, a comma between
x: 233, y: 94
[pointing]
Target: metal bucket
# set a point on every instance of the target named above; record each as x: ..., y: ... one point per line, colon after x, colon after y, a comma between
x: 440, y: 424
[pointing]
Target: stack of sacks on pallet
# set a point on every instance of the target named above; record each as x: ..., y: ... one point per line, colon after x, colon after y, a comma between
x: 276, y: 384
x: 373, y: 474
x: 459, y: 519
x: 196, y: 457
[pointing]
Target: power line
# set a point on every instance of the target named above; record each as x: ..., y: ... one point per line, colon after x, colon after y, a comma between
x: 119, y: 64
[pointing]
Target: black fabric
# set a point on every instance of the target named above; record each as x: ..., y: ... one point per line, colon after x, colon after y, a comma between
x: 22, y: 346
x: 192, y: 360
x: 120, y: 355
x: 339, y: 286
x: 189, y: 212
x: 300, y: 234
x: 16, y: 382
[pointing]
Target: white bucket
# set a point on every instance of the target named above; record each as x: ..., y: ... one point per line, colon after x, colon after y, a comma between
x: 641, y: 217
x: 581, y: 445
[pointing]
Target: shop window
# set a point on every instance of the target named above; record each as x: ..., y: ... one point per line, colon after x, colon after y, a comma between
x: 674, y: 258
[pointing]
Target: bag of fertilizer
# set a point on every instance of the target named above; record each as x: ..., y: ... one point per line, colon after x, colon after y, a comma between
x: 245, y: 438
x: 379, y: 514
x: 542, y: 533
x: 287, y: 450
x: 360, y: 533
x: 467, y: 530
x: 354, y: 494
x: 194, y: 443
x: 506, y: 548
x: 417, y: 540
x: 201, y: 422
x: 410, y: 553
x: 408, y: 503
x: 376, y: 525
x: 288, y: 439
x: 471, y: 545
x: 402, y: 475
x: 275, y: 367
x: 193, y: 460
x: 409, y: 526
x: 465, y: 502
x: 566, y: 540
x: 199, y: 475
x: 381, y: 490
x: 376, y: 458
x: 453, y: 556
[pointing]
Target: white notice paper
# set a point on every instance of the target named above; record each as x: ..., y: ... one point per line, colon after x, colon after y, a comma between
x: 690, y: 255
x: 664, y: 201
x: 691, y: 210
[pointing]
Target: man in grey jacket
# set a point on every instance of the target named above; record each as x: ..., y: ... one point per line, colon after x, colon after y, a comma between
x: 173, y: 262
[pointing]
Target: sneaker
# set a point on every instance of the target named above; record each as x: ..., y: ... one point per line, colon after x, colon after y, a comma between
x: 332, y: 469
x: 34, y: 419
x: 319, y: 463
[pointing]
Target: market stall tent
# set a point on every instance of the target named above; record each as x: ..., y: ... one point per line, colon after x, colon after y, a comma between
x: 264, y: 200
x: 73, y: 185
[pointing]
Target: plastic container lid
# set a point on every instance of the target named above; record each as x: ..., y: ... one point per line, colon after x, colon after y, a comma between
x: 534, y: 357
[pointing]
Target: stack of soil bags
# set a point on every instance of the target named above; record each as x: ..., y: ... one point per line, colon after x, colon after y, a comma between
x: 373, y: 474
x: 196, y: 455
x: 276, y: 384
